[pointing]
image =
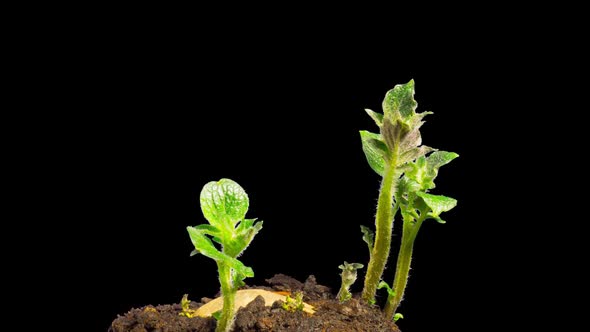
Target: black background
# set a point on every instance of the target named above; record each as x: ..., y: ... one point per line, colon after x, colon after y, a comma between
x: 156, y: 115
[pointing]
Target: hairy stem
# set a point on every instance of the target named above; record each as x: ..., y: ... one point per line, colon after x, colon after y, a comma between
x: 343, y: 294
x: 228, y: 292
x: 402, y: 271
x: 384, y: 227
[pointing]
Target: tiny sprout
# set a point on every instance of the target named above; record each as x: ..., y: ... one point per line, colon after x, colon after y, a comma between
x: 294, y: 304
x: 397, y: 316
x: 216, y: 315
x: 348, y: 278
x: 383, y: 284
x: 186, y: 310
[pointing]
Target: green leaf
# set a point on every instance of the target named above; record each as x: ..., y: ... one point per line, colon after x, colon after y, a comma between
x: 377, y: 117
x: 397, y: 316
x: 217, y: 315
x: 375, y: 150
x: 425, y: 170
x: 243, y: 237
x: 205, y: 247
x: 400, y: 100
x: 383, y: 284
x: 438, y: 159
x: 245, y: 225
x: 368, y: 237
x: 438, y: 219
x: 224, y: 202
x: 208, y: 229
x: 437, y: 203
x: 406, y: 185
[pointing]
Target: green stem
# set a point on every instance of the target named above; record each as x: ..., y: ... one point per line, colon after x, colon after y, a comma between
x: 343, y: 294
x: 402, y: 271
x: 229, y: 293
x: 384, y: 226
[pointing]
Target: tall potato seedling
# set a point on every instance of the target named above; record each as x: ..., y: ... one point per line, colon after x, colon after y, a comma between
x: 408, y: 170
x: 224, y: 205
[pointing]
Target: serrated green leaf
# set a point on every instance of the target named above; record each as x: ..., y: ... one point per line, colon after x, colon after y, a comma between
x: 377, y: 117
x: 373, y: 150
x: 205, y: 247
x: 245, y: 225
x: 400, y: 100
x: 440, y: 158
x: 425, y: 169
x: 242, y: 239
x: 368, y: 237
x: 224, y: 202
x: 437, y: 203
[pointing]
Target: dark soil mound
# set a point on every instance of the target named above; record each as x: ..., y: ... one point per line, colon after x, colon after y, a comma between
x: 330, y: 316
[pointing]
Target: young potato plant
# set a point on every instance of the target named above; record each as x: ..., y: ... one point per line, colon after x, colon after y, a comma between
x: 396, y: 153
x: 224, y: 204
x: 348, y: 278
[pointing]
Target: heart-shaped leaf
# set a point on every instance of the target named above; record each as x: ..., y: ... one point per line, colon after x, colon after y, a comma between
x: 224, y: 203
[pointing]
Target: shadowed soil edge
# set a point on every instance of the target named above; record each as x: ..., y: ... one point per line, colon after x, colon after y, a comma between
x: 330, y: 316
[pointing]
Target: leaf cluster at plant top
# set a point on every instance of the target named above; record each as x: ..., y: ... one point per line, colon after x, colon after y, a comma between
x: 408, y: 170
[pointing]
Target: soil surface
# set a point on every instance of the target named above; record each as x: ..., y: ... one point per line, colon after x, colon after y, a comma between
x: 330, y: 316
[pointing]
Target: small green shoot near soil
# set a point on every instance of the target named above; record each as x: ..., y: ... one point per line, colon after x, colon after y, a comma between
x: 294, y: 304
x: 408, y: 170
x: 186, y: 309
x: 348, y: 278
x: 224, y: 204
x: 383, y: 284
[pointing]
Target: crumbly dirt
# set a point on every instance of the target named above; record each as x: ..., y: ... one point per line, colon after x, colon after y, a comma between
x: 330, y: 316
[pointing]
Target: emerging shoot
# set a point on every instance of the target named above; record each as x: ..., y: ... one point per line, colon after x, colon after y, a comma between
x: 224, y: 205
x: 294, y: 304
x: 186, y: 309
x: 348, y: 278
